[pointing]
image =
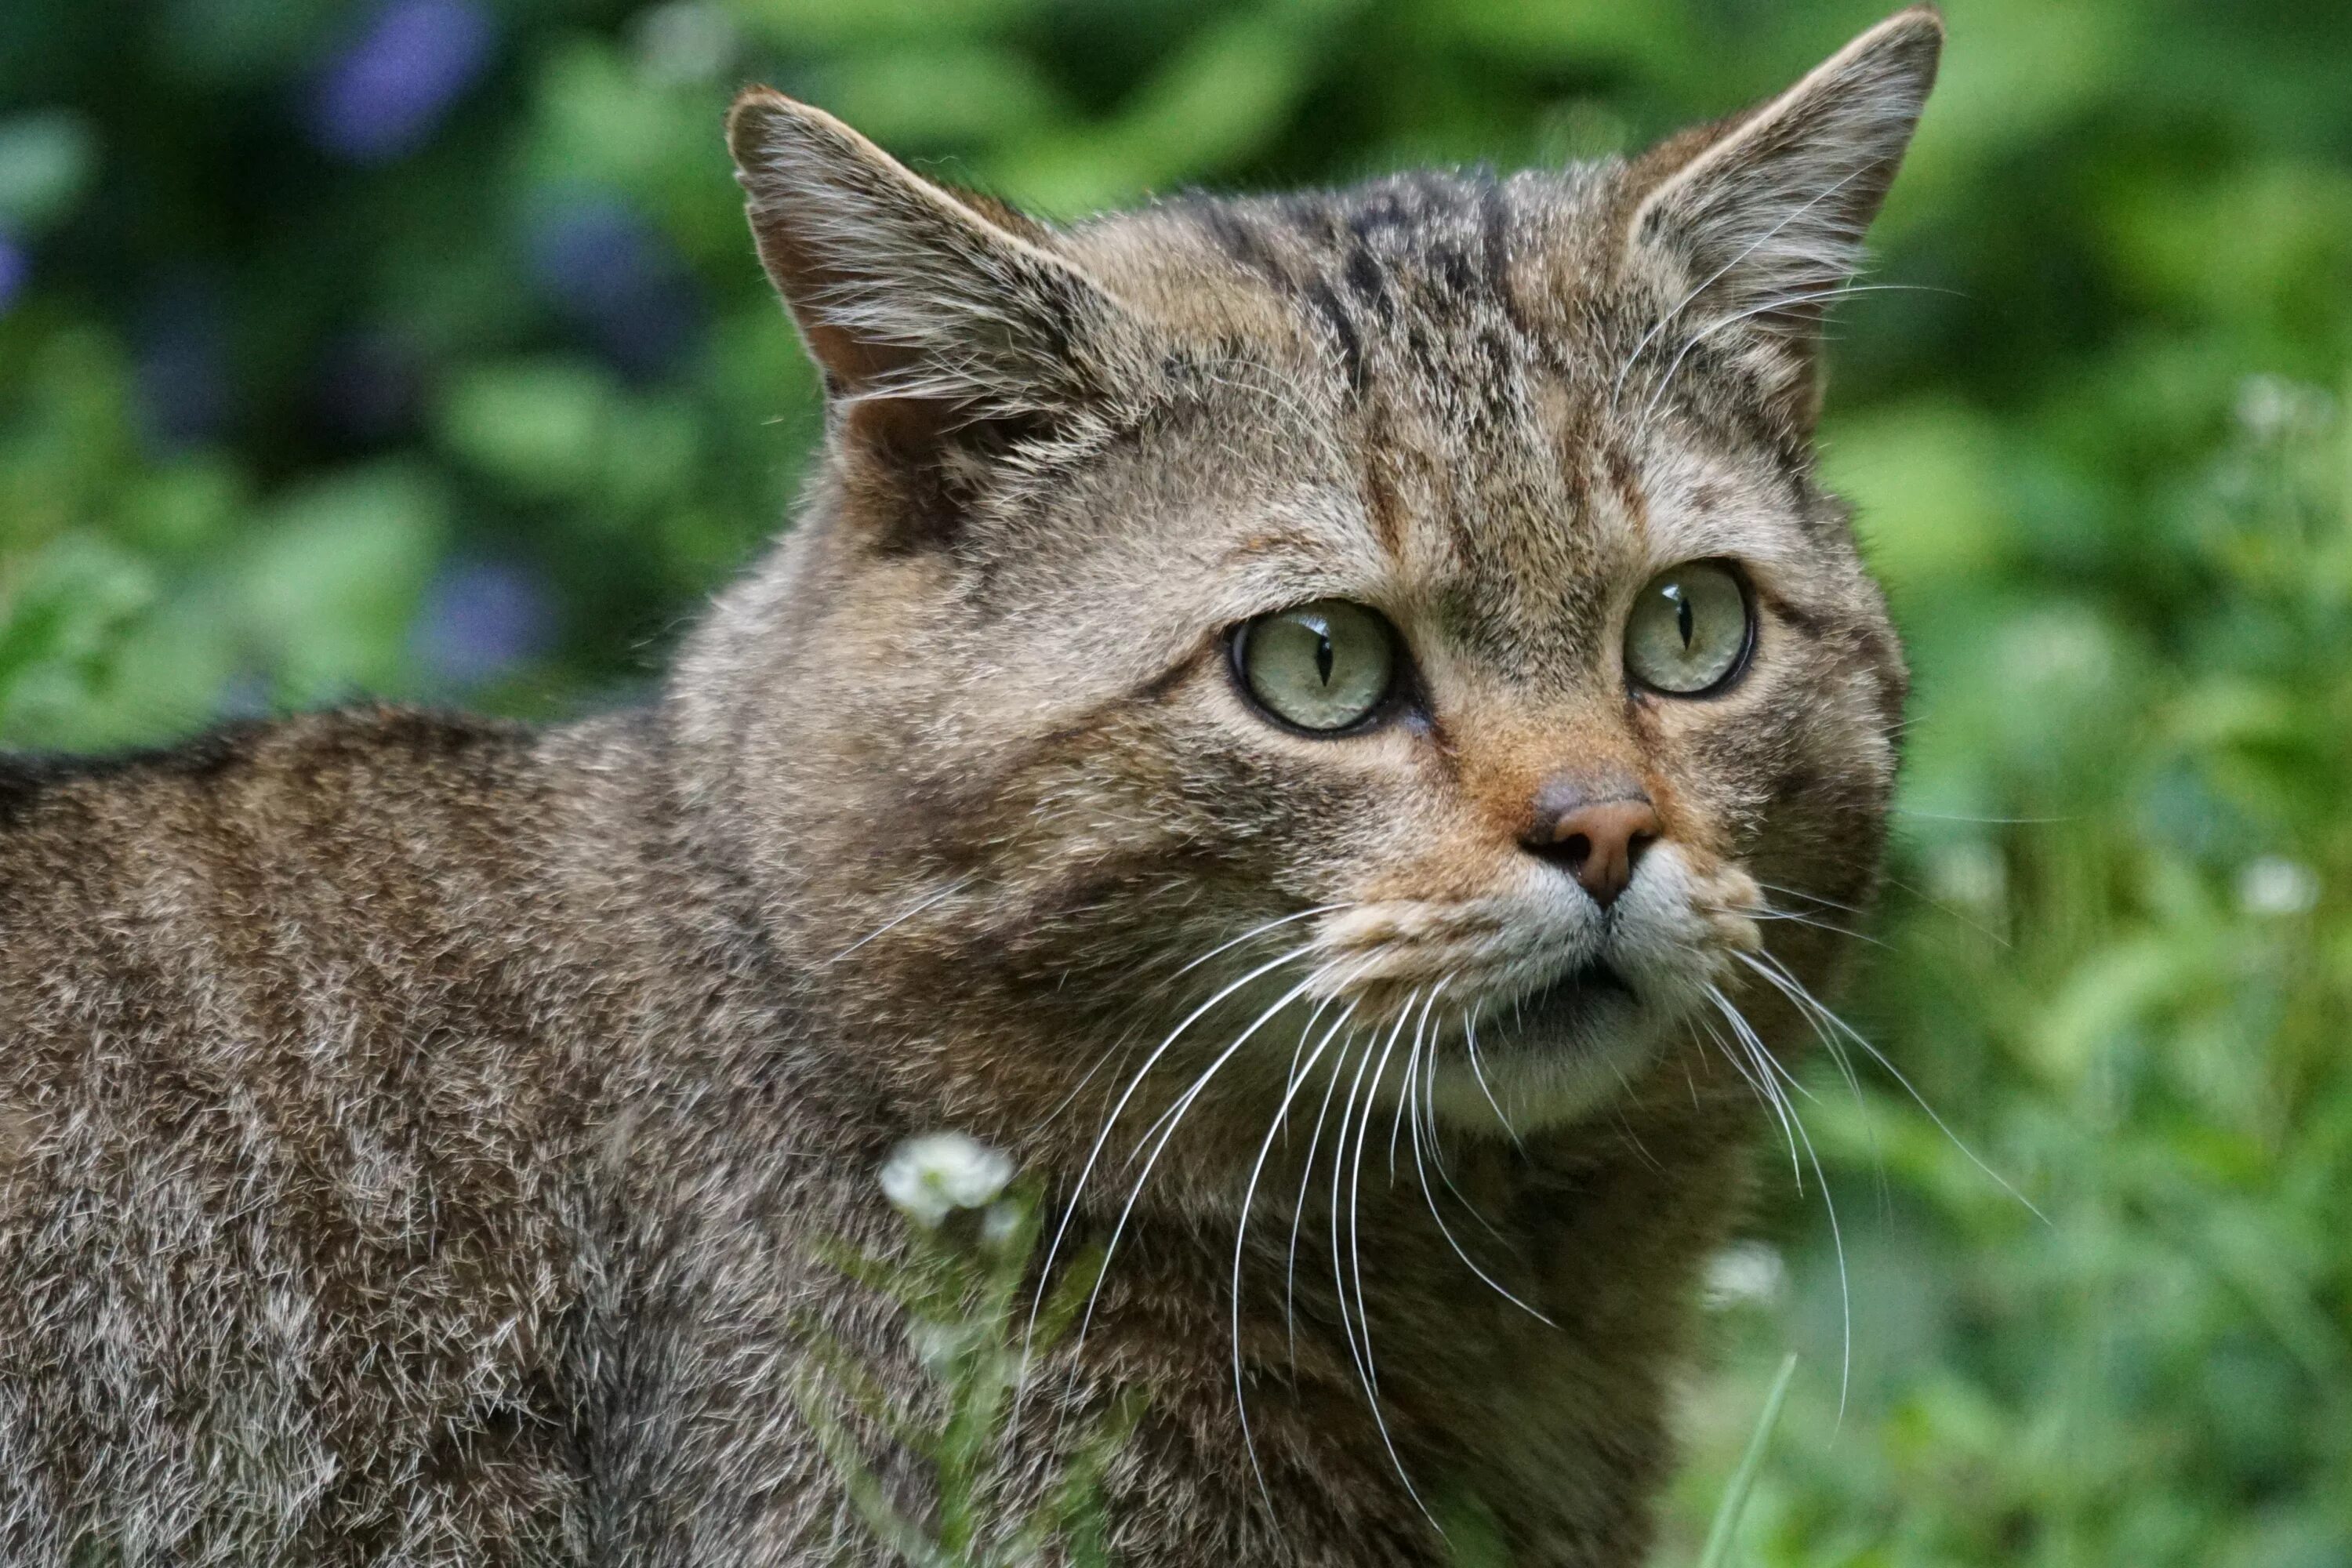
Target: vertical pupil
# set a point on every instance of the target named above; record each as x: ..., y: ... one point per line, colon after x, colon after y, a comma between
x: 1323, y: 656
x: 1683, y: 616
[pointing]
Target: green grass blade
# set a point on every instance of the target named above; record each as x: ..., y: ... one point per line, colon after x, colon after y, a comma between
x: 1735, y: 1497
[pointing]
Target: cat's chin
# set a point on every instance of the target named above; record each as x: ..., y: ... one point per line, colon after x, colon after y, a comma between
x: 1552, y: 1059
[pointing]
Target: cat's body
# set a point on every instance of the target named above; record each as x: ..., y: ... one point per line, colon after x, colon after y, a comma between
x: 321, y: 1252
x: 413, y: 1132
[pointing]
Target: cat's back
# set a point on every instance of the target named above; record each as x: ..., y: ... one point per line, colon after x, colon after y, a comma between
x: 223, y: 903
x: 284, y: 1073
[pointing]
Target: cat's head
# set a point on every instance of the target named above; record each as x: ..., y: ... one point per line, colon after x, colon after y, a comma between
x: 1410, y: 608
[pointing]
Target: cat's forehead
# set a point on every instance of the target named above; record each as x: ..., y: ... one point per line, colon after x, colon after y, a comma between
x: 1412, y: 280
x: 1445, y: 350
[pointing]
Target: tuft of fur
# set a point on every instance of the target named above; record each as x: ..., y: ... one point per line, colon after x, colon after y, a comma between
x: 415, y: 1130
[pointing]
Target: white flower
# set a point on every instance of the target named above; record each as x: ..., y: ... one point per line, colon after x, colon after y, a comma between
x: 1746, y: 1273
x: 2271, y: 406
x: 931, y: 1177
x: 2274, y: 885
x: 1970, y: 872
x: 684, y: 42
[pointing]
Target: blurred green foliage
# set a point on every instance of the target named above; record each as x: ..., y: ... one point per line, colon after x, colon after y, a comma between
x: 415, y: 348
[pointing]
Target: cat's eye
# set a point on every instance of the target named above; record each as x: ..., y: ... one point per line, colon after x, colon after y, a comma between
x: 1325, y: 667
x: 1690, y: 629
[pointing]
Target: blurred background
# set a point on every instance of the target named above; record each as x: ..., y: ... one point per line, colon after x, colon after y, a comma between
x: 415, y: 348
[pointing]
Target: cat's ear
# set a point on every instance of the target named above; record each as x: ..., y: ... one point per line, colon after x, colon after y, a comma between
x: 929, y: 309
x: 1765, y: 212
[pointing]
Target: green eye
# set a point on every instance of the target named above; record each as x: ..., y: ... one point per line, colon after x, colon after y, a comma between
x: 1324, y: 667
x: 1689, y: 630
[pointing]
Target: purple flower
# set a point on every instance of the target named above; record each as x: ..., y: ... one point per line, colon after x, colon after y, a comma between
x: 480, y: 619
x: 16, y: 267
x: 384, y: 94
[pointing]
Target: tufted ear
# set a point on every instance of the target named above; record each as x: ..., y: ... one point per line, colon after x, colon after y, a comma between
x: 1765, y: 212
x: 929, y: 311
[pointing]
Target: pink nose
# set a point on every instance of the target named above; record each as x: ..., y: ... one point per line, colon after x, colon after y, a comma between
x: 1596, y: 841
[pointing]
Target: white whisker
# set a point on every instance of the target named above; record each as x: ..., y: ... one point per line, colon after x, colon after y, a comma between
x: 1183, y: 1102
x: 1102, y: 1060
x: 1241, y: 1235
x: 1829, y: 1202
x: 1254, y: 930
x: 1836, y: 1048
x: 1170, y: 1119
x: 1298, y: 1203
x: 896, y: 921
x: 1062, y: 1231
x: 1431, y: 1199
x: 1436, y: 1148
x: 1412, y: 1061
x: 1792, y: 917
x: 1940, y: 906
x: 1356, y: 1261
x: 1338, y: 1173
x: 1477, y: 1071
x: 1329, y: 996
x: 1813, y: 898
x: 1812, y: 1006
x: 1758, y: 1077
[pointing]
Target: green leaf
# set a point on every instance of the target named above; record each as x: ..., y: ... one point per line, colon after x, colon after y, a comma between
x: 1069, y: 1296
x: 542, y: 427
x: 64, y: 611
x: 47, y: 161
x: 864, y: 1487
x: 331, y: 585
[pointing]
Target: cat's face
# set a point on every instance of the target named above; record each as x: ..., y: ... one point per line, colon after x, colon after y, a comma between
x: 1409, y: 609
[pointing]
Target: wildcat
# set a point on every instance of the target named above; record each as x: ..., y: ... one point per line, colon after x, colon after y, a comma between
x: 1252, y: 681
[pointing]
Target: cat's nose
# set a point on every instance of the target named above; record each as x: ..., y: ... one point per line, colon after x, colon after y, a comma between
x: 1597, y: 841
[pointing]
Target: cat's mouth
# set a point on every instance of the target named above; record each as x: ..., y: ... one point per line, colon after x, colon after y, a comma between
x: 1590, y: 990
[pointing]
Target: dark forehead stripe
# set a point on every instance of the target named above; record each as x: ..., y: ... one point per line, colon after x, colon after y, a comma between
x: 1343, y: 328
x: 1392, y: 269
x: 1408, y: 279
